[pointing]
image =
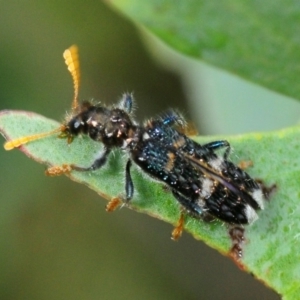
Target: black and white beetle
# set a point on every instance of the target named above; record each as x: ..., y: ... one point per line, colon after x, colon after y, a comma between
x: 204, y: 183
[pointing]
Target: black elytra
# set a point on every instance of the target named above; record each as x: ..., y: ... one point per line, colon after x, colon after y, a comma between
x: 204, y: 182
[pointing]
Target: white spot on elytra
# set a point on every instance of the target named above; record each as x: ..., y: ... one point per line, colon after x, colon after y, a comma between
x: 258, y: 197
x: 206, y: 189
x: 250, y: 214
x: 201, y: 203
x: 216, y: 163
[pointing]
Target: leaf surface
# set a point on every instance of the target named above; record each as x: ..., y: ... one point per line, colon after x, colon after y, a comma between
x: 258, y: 41
x: 271, y: 250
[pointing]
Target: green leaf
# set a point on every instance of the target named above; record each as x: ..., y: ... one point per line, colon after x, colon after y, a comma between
x: 271, y: 250
x: 256, y: 40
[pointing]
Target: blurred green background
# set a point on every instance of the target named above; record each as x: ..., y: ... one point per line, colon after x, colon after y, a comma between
x: 56, y: 240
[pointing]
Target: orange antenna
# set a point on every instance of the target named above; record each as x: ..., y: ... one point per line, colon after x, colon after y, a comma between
x: 24, y: 140
x: 72, y: 61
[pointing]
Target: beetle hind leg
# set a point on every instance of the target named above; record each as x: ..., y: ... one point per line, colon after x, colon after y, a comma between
x: 177, y: 231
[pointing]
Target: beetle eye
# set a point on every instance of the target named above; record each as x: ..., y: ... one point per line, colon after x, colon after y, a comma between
x: 76, y: 124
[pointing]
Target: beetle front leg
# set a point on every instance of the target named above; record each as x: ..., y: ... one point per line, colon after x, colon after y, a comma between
x: 129, y: 190
x: 65, y: 168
